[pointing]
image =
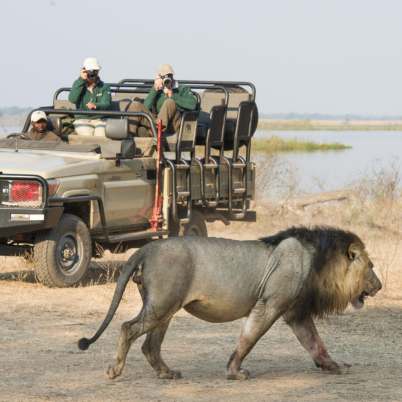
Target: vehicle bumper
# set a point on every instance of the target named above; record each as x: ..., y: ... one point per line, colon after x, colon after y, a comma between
x: 15, y: 221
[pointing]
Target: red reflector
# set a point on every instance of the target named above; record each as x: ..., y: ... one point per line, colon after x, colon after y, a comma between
x: 25, y: 191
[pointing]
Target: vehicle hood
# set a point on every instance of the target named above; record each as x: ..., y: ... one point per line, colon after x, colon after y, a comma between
x: 48, y: 164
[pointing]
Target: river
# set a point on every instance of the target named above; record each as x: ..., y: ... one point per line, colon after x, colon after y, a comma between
x: 372, y: 152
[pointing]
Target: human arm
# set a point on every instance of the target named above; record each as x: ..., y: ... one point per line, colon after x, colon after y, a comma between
x: 184, y: 98
x: 76, y: 91
x: 149, y: 101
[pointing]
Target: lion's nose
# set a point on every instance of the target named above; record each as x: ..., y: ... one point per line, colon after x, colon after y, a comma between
x: 377, y: 285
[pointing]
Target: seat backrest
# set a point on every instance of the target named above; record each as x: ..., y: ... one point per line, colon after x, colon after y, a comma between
x: 121, y: 105
x: 243, y: 131
x: 55, y: 124
x: 128, y: 95
x: 212, y: 97
x: 243, y: 123
x: 187, y: 133
x: 63, y: 104
x: 217, y: 126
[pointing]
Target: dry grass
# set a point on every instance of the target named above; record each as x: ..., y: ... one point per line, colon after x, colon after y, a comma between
x: 372, y: 209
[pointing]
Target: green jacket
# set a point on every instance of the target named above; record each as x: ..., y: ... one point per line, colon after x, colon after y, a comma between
x: 80, y: 96
x: 182, y: 95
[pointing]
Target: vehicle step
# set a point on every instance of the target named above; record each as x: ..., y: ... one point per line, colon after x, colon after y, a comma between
x: 144, y: 234
x: 237, y: 165
x: 182, y: 167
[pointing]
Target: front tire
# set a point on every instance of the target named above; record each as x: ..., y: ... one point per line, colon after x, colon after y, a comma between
x: 62, y: 255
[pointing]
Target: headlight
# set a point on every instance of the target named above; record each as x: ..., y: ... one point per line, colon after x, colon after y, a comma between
x: 21, y: 193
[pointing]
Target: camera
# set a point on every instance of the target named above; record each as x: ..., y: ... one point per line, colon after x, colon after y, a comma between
x: 92, y: 74
x: 167, y: 82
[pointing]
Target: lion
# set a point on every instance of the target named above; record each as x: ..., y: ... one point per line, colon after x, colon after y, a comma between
x: 298, y: 274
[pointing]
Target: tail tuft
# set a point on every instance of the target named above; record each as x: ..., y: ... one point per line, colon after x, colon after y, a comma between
x: 84, y: 343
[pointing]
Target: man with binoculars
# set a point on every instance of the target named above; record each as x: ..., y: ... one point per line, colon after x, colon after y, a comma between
x: 90, y: 93
x: 165, y: 100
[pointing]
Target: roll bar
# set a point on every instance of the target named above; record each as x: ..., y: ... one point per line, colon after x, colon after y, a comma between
x: 99, y: 113
x: 114, y: 87
x: 144, y: 88
x: 147, y: 82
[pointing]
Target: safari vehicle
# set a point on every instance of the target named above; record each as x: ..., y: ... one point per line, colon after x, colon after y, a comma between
x: 68, y: 202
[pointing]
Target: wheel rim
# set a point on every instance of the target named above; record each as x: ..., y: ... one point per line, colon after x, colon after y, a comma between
x: 69, y: 254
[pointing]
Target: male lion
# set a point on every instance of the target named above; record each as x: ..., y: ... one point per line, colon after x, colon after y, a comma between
x: 298, y: 274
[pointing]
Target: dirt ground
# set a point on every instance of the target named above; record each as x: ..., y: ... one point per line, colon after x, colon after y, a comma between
x: 39, y: 329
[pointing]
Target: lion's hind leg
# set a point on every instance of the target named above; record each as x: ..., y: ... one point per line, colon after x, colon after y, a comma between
x: 152, y: 351
x: 143, y: 323
x: 307, y: 334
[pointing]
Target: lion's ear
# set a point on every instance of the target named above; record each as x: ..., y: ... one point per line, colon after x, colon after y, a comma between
x: 353, y: 251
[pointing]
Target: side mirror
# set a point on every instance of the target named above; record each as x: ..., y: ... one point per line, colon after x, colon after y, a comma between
x: 117, y: 129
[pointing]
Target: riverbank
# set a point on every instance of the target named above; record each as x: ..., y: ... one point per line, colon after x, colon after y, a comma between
x: 276, y: 144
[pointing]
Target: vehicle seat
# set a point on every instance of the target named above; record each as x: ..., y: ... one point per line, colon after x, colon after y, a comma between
x: 63, y: 104
x: 212, y: 97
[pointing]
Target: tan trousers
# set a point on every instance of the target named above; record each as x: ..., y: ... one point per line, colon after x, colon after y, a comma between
x: 169, y: 115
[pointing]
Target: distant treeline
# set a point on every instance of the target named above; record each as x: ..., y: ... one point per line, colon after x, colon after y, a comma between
x: 14, y: 110
x: 322, y: 116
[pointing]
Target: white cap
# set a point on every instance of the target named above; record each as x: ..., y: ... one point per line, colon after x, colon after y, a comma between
x: 165, y: 69
x: 38, y: 115
x: 90, y: 63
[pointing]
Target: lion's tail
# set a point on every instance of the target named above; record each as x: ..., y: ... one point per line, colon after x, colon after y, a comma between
x: 128, y: 270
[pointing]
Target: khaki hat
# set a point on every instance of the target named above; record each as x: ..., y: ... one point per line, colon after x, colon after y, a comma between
x: 90, y: 63
x: 165, y: 69
x: 38, y: 115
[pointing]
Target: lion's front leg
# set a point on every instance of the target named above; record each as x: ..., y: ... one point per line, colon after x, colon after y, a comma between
x: 259, y: 321
x: 307, y: 334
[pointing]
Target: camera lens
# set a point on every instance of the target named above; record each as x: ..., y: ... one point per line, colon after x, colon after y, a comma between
x: 92, y: 74
x: 167, y: 82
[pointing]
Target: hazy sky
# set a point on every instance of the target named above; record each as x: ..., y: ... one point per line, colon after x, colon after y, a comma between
x: 328, y: 56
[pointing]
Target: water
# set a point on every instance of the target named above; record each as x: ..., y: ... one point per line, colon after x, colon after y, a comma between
x: 5, y: 130
x: 371, y: 153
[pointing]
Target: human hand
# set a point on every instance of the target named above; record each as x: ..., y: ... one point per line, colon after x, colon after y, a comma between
x: 168, y: 92
x: 91, y: 106
x: 83, y: 74
x: 158, y: 83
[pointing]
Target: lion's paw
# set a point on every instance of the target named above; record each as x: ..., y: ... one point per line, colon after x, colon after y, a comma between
x: 112, y: 372
x: 170, y: 375
x: 332, y: 368
x: 242, y: 374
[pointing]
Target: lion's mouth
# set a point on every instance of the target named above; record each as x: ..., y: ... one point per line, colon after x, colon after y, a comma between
x: 359, y: 301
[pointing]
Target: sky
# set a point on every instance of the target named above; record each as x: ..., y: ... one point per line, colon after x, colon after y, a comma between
x: 305, y: 56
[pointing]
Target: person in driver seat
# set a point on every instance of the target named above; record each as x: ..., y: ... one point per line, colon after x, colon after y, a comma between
x: 39, y: 130
x: 165, y: 100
